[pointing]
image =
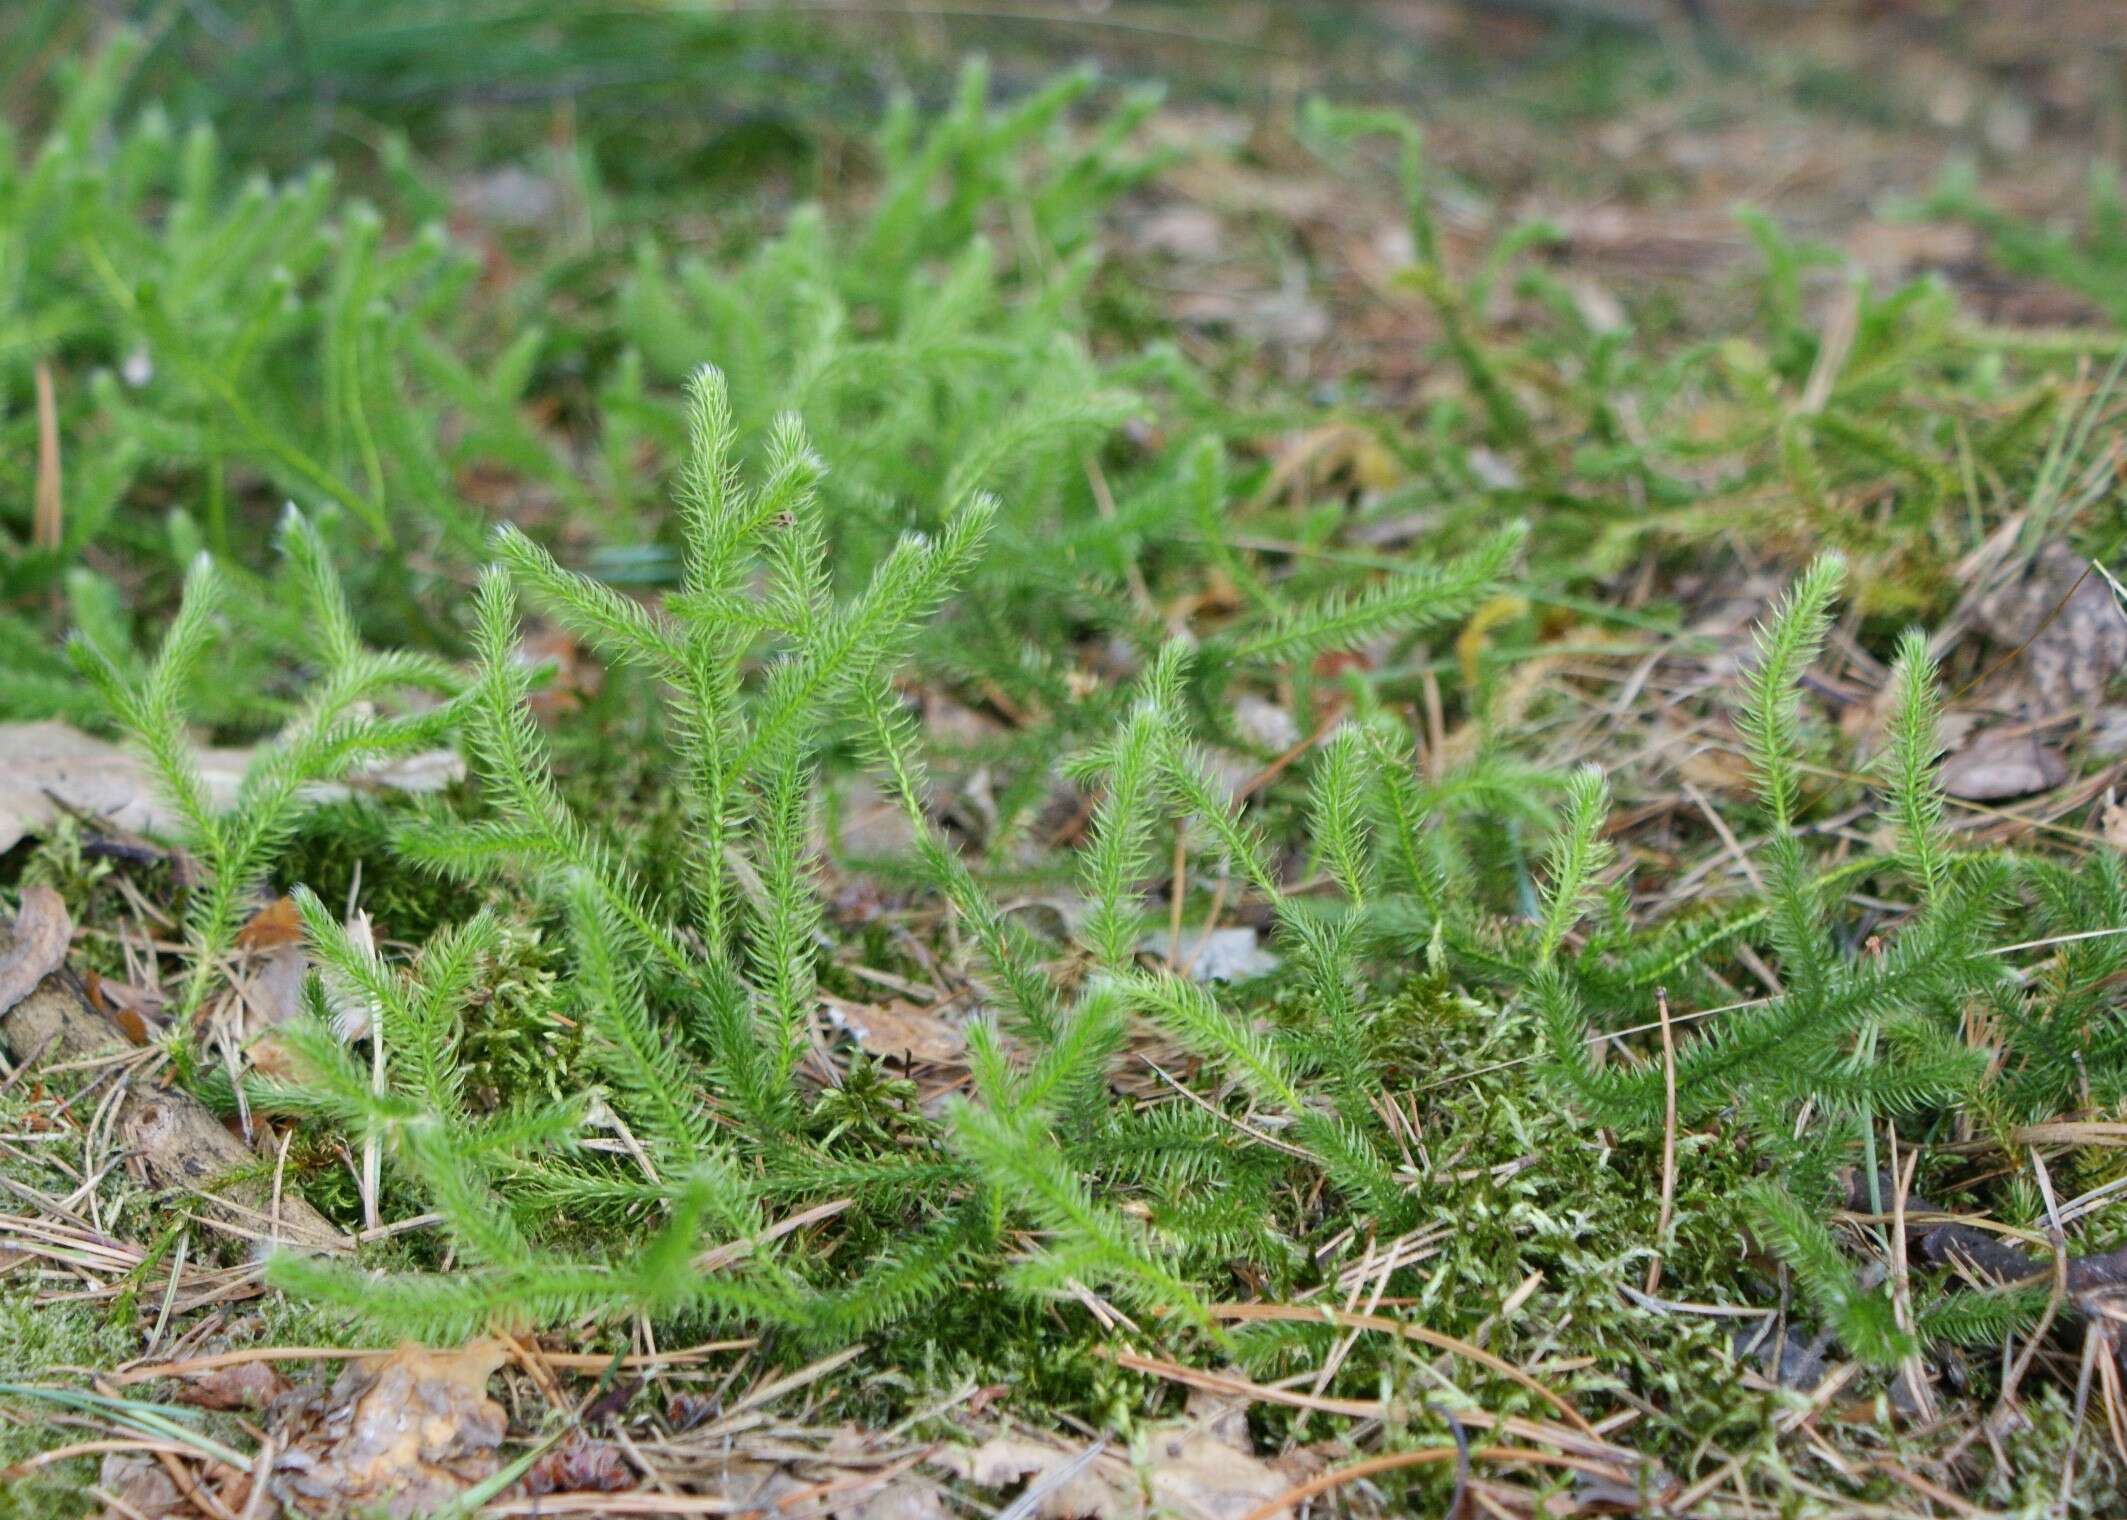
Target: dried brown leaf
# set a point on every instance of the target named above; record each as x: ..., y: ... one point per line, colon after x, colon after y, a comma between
x: 594, y: 1465
x: 1007, y: 1460
x: 1198, y: 1475
x: 1998, y: 766
x: 135, y: 1011
x: 141, y: 1488
x: 900, y: 1029
x: 1186, y: 1470
x: 48, y: 768
x: 576, y: 677
x: 400, y: 1436
x: 2062, y: 617
x: 277, y: 923
x: 42, y: 932
x: 247, y: 1385
x: 273, y: 996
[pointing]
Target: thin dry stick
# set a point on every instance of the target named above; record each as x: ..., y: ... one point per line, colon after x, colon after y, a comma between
x: 1733, y: 845
x: 255, y: 1505
x: 1661, y: 1223
x: 115, y: 1505
x: 575, y: 1361
x: 47, y: 523
x: 1836, y: 342
x: 1914, y: 1370
x: 1218, y: 1113
x: 189, y: 1487
x: 2093, y: 1344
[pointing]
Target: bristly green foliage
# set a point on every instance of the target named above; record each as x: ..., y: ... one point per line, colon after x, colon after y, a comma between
x: 696, y: 1007
x: 1912, y: 788
x: 2090, y: 259
x: 217, y: 345
x: 939, y: 339
x: 236, y: 840
x: 985, y: 379
x: 695, y: 1014
x: 1851, y: 1037
x: 1578, y: 856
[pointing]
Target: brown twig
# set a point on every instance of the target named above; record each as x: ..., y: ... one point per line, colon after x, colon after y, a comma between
x: 1662, y: 1220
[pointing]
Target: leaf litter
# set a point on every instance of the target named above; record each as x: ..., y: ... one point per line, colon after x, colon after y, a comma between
x: 402, y: 1436
x: 50, y: 769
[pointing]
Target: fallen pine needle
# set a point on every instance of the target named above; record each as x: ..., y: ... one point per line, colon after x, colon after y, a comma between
x: 570, y: 1360
x: 1339, y: 1476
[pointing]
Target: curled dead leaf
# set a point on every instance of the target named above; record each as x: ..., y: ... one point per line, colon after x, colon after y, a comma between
x: 138, y: 1488
x: 273, y: 995
x: 135, y: 1011
x: 576, y: 677
x: 2061, y: 617
x: 43, y: 930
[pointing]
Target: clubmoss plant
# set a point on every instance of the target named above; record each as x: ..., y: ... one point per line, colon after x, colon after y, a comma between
x: 1858, y: 1035
x: 336, y: 729
x: 696, y: 1013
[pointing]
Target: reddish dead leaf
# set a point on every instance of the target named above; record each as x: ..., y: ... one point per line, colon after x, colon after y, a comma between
x: 596, y: 1466
x: 1332, y: 663
x: 42, y: 932
x: 136, y: 1011
x: 247, y: 1385
x: 684, y: 1411
x: 400, y: 1437
x: 275, y: 924
x: 575, y: 677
